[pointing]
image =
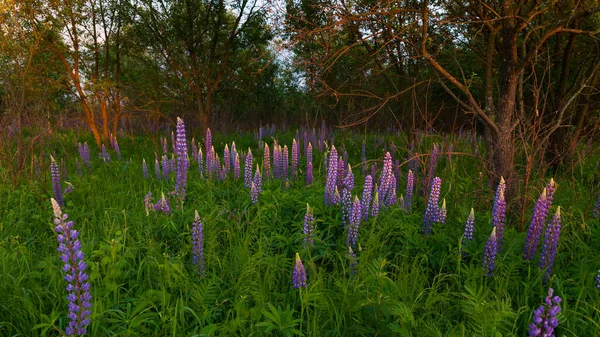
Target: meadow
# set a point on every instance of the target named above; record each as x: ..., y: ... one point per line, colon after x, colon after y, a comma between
x: 146, y: 278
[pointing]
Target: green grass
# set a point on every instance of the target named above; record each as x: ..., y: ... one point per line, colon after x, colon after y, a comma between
x: 144, y: 284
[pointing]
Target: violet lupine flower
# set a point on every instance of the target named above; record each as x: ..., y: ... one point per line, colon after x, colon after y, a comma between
x: 550, y: 244
x: 236, y: 167
x: 366, y: 196
x: 354, y: 225
x: 499, y: 217
x: 145, y: 168
x: 309, y: 227
x: 489, y: 255
x: 469, y: 227
x: 276, y: 159
x: 337, y: 199
x: 598, y: 280
x: 391, y: 198
x: 165, y: 167
x: 349, y: 180
x: 431, y: 165
x: 500, y: 189
x: 341, y: 173
x: 596, y: 211
x: 86, y: 158
x: 77, y: 166
x: 68, y: 189
x: 233, y: 153
x: 331, y: 183
x: 257, y: 180
x: 284, y: 162
x: 309, y: 153
x: 295, y: 150
x: 182, y: 160
x: 267, y: 161
x: 409, y: 191
x: 165, y: 147
x: 535, y: 228
x: 198, y: 244
x: 78, y: 287
x: 248, y: 169
x: 115, y: 145
x: 162, y: 205
x: 375, y: 207
x: 299, y: 275
x: 148, y: 203
x: 442, y: 212
x: 208, y: 141
x: 55, y: 172
x: 309, y: 173
x: 105, y: 155
x: 432, y: 210
x: 200, y: 159
x: 386, y: 176
x: 346, y: 206
x: 353, y: 261
x: 226, y: 160
x: 157, y: 168
x: 544, y: 320
x: 550, y: 188
x: 253, y: 193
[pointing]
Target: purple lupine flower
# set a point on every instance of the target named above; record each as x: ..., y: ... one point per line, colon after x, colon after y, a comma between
x: 182, y: 160
x: 596, y: 211
x: 55, y: 172
x: 253, y: 193
x: 349, y: 180
x: 598, y: 280
x: 489, y: 255
x: 200, y: 159
x: 375, y: 207
x: 550, y: 189
x: 233, y: 153
x: 544, y: 320
x: 299, y: 275
x: 366, y: 196
x: 409, y: 191
x: 331, y: 183
x: 346, y: 206
x: 341, y: 173
x: 165, y: 167
x: 500, y: 189
x: 498, y: 218
x: 550, y: 244
x: 285, y: 157
x: 236, y: 167
x: 78, y: 287
x: 535, y: 228
x: 337, y: 199
x: 77, y: 166
x: 145, y: 168
x: 276, y: 159
x: 248, y: 169
x: 309, y: 153
x: 295, y: 149
x: 68, y: 189
x: 165, y: 147
x: 226, y: 160
x: 442, y: 212
x: 309, y: 167
x: 390, y: 198
x: 386, y: 177
x: 208, y: 141
x: 432, y: 210
x: 324, y: 162
x: 431, y: 165
x: 354, y: 225
x: 157, y: 168
x: 105, y: 155
x: 469, y: 227
x: 353, y: 261
x: 257, y: 180
x: 86, y: 158
x: 198, y: 244
x: 115, y: 145
x: 148, y: 203
x: 267, y: 161
x: 162, y: 205
x: 309, y: 227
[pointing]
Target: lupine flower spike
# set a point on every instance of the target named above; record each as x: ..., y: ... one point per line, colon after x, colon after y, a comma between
x: 409, y: 191
x: 309, y: 227
x: 443, y: 212
x: 498, y: 218
x: 182, y: 160
x: 55, y: 172
x: 198, y: 244
x: 78, y: 287
x: 596, y: 212
x: 353, y: 227
x: 253, y: 193
x: 330, y: 185
x: 163, y: 205
x: 489, y: 255
x: 544, y: 317
x: 469, y: 227
x: 299, y: 274
x: 375, y: 207
x: 550, y: 244
x: 248, y: 169
x: 537, y: 224
x: 145, y: 169
x: 353, y: 261
x: 366, y: 196
x: 432, y: 211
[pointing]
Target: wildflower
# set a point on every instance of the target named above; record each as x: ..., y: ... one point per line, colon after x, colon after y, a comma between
x: 276, y: 160
x: 469, y: 226
x: 550, y: 244
x: 248, y: 169
x: 349, y: 180
x: 385, y: 182
x: 544, y: 317
x: 295, y: 150
x: 432, y: 210
x: 105, y: 155
x: 498, y: 218
x: 267, y: 161
x: 336, y: 197
x: 535, y: 228
x: 78, y: 287
x: 354, y: 225
x: 596, y: 212
x: 257, y: 180
x: 489, y: 255
x: 309, y: 173
x: 341, y: 173
x: 409, y: 191
x: 330, y: 185
x: 598, y: 280
x: 162, y: 205
x: 54, y: 171
x: 182, y: 159
x: 375, y: 207
x: 68, y: 189
x: 199, y: 159
x: 115, y: 145
x: 198, y: 244
x: 145, y: 168
x: 284, y: 162
x: 500, y: 189
x: 208, y: 141
x: 366, y: 196
x: 148, y: 202
x: 226, y: 160
x: 157, y: 168
x: 442, y: 214
x: 299, y: 274
x: 309, y: 153
x: 165, y: 166
x: 253, y: 193
x: 236, y: 167
x: 309, y: 227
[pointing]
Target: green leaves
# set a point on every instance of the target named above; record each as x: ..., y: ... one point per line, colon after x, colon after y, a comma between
x: 280, y: 321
